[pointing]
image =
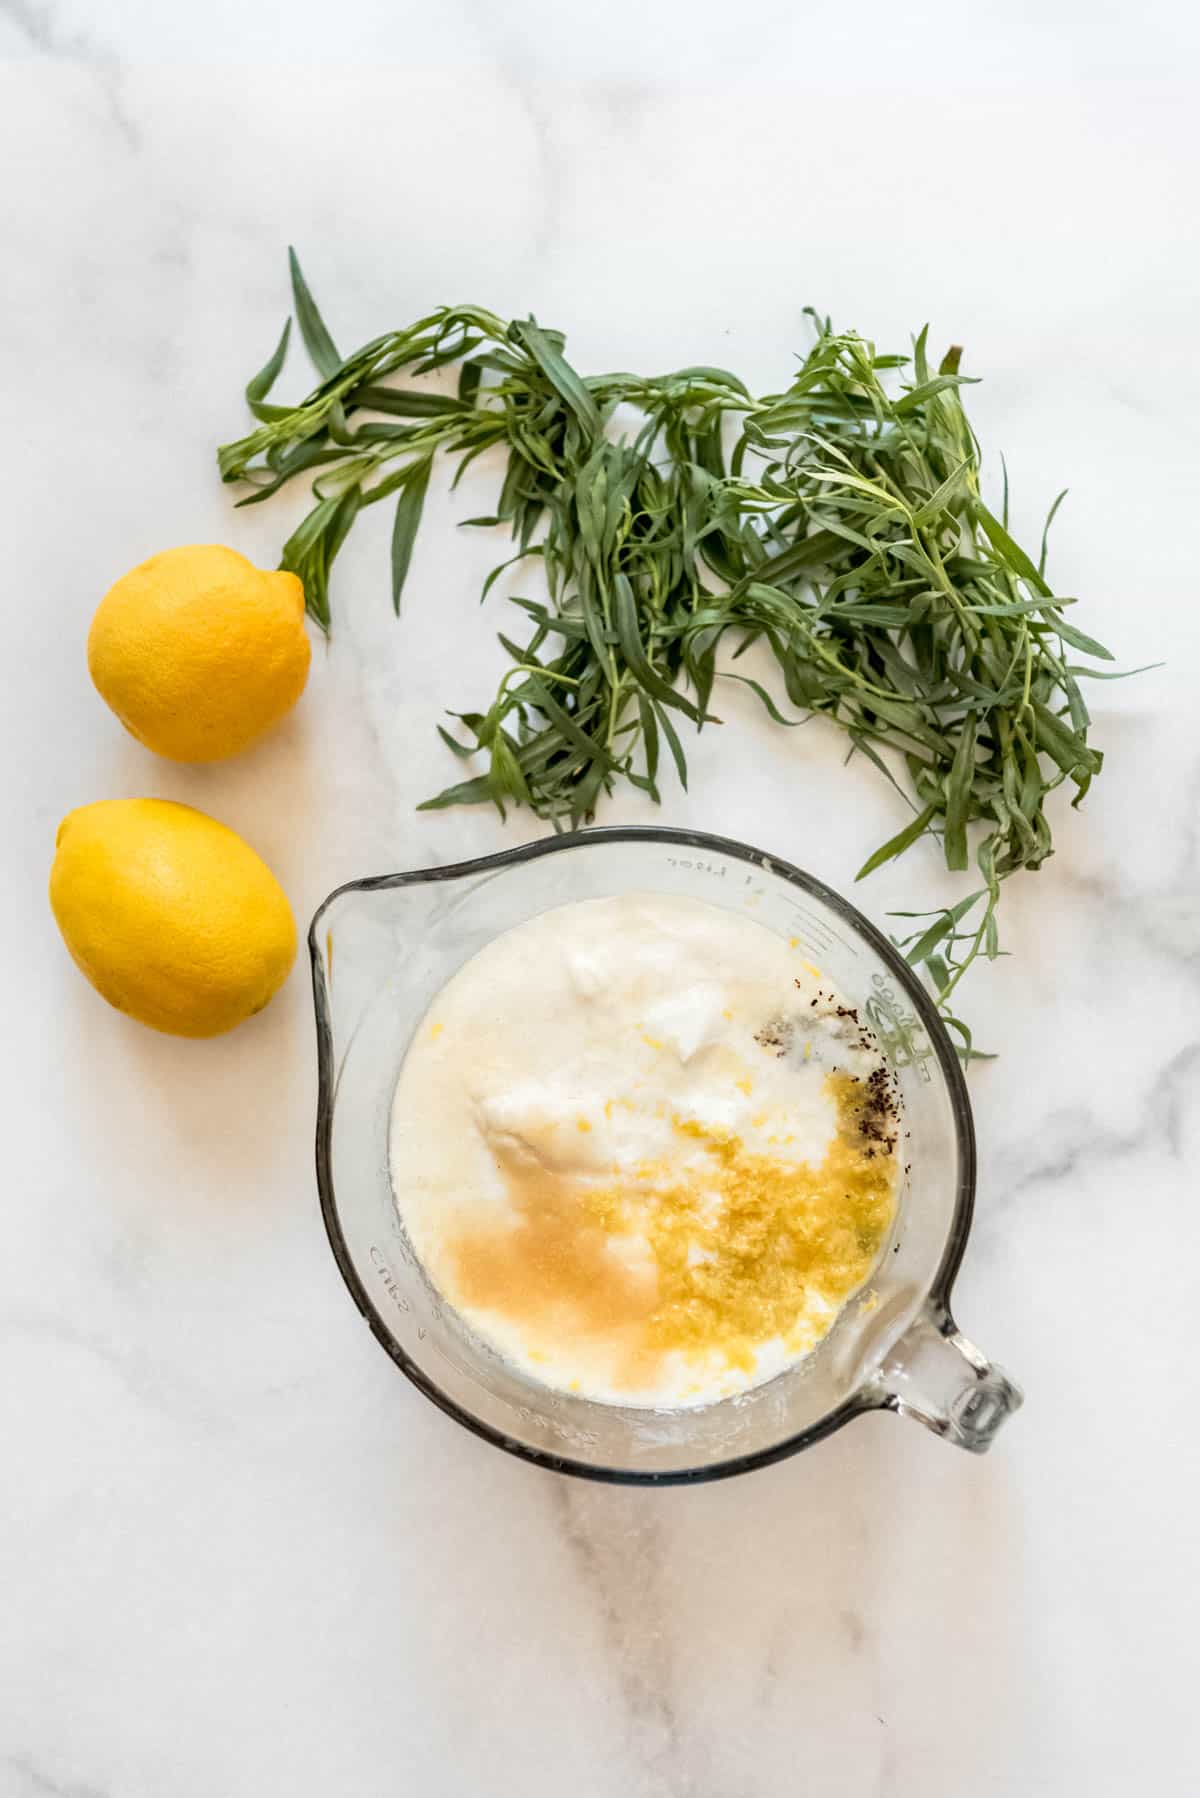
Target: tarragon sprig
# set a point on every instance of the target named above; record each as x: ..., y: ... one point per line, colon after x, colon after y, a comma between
x: 840, y: 522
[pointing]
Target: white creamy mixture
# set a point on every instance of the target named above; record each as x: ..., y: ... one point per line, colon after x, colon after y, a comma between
x: 644, y: 1149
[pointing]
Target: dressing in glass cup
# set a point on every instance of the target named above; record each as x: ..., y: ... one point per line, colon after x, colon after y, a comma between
x: 381, y: 951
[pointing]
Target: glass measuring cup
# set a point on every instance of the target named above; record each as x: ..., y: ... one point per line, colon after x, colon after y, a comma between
x: 382, y: 949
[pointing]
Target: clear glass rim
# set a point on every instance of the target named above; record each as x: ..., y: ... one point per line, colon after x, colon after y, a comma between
x: 915, y: 992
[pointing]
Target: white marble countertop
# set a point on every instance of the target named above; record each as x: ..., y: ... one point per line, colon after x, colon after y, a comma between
x: 238, y: 1554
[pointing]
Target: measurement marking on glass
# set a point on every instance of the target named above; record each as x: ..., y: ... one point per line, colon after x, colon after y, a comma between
x: 824, y: 934
x: 388, y: 1278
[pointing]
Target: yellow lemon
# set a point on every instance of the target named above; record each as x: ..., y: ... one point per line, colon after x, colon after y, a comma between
x: 199, y: 652
x: 171, y: 916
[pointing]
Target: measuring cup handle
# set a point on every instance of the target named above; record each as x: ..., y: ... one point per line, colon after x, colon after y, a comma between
x: 939, y: 1377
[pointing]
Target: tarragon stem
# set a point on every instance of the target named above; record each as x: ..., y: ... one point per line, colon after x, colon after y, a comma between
x: 839, y: 522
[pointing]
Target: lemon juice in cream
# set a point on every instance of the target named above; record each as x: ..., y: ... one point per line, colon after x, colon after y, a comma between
x: 644, y: 1150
